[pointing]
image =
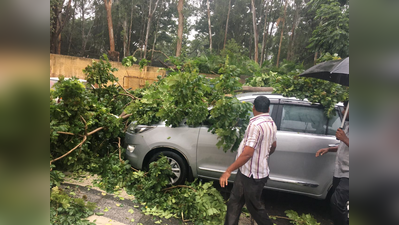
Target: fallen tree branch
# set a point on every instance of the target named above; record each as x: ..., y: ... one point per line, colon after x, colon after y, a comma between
x: 136, y: 170
x: 178, y: 186
x: 94, y: 131
x: 131, y: 96
x: 62, y: 132
x: 170, y: 67
x: 182, y: 218
x: 120, y: 152
x: 84, y: 121
x: 77, y: 146
x: 127, y: 93
x: 126, y: 116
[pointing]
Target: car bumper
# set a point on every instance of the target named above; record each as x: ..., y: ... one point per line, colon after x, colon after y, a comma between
x: 136, y: 149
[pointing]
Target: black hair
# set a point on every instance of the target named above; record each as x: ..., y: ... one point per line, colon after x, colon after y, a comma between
x: 346, y: 103
x: 262, y: 104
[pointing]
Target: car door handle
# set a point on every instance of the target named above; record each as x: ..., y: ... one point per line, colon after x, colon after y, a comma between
x: 333, y: 145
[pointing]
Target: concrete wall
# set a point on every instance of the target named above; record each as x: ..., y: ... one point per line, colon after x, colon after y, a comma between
x: 130, y: 77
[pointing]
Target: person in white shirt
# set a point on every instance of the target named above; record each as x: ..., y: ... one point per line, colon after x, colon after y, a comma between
x: 340, y: 188
x: 258, y: 144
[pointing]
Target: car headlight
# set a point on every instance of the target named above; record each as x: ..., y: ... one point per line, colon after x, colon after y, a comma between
x: 130, y: 148
x: 141, y: 129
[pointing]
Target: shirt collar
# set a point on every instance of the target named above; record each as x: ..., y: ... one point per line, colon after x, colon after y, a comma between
x: 262, y: 114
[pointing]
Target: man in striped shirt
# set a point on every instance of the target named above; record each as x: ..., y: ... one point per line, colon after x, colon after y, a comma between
x: 253, y: 170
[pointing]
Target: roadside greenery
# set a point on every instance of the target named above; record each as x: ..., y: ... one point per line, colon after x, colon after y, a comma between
x: 65, y: 209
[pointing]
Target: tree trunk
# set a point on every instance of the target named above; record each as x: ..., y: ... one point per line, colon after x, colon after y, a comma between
x: 125, y: 38
x: 209, y: 25
x: 315, y: 58
x: 269, y: 34
x: 227, y: 25
x: 180, y: 28
x: 108, y: 7
x: 60, y: 24
x: 282, y: 32
x: 71, y: 29
x: 155, y: 38
x: 129, y: 40
x: 262, y: 55
x: 59, y: 44
x: 150, y: 14
x: 82, y: 11
x: 255, y: 31
x: 291, y: 43
x: 142, y: 34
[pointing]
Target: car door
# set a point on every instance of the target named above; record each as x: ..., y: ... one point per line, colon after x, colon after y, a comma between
x: 302, y: 130
x: 211, y: 161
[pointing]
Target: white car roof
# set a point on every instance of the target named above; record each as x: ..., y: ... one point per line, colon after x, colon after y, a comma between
x: 252, y: 95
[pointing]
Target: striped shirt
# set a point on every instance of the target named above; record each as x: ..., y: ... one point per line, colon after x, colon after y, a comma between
x: 260, y: 135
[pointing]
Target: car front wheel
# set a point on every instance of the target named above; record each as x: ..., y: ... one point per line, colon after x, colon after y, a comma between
x: 179, y: 167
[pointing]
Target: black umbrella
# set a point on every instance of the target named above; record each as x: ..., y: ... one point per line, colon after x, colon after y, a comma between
x: 336, y: 71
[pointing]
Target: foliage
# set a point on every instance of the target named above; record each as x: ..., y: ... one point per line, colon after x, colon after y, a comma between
x: 68, y: 210
x: 143, y: 62
x: 56, y: 177
x: 306, y: 219
x: 114, y: 172
x: 185, y: 95
x: 128, y: 61
x: 197, y: 202
x: 82, y: 110
x: 332, y: 34
x: 286, y: 81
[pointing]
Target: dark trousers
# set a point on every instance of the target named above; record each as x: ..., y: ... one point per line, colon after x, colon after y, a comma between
x: 247, y: 191
x: 338, y: 201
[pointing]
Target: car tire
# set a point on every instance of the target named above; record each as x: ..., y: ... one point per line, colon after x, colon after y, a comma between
x: 178, y: 164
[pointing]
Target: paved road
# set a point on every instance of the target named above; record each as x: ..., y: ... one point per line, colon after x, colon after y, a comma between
x: 119, y: 209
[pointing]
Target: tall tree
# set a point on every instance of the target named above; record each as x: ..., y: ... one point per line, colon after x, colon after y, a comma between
x: 113, y: 55
x: 180, y: 29
x: 227, y: 25
x: 290, y: 53
x: 129, y: 39
x: 255, y: 27
x: 150, y: 14
x: 209, y: 25
x: 332, y: 34
x: 264, y: 35
x: 282, y: 32
x: 59, y: 17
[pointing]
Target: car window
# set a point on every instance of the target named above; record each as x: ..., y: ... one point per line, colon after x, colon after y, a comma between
x: 303, y: 119
x: 333, y: 124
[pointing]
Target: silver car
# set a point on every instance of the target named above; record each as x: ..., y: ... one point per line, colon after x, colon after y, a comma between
x: 302, y: 130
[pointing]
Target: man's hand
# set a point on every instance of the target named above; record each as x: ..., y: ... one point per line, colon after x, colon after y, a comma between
x: 340, y: 134
x: 224, y: 179
x: 321, y: 152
